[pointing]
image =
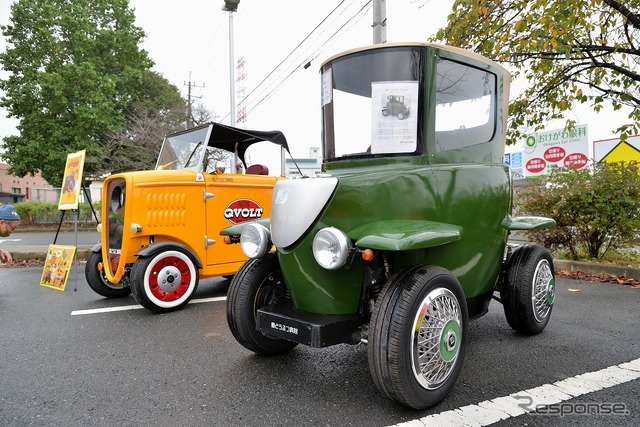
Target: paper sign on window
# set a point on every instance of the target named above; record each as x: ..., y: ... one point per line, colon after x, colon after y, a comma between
x: 394, y: 121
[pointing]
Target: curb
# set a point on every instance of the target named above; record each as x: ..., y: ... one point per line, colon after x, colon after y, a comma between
x: 80, y: 253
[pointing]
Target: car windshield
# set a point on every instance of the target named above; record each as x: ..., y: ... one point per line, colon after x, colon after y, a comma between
x: 188, y: 150
x: 370, y: 103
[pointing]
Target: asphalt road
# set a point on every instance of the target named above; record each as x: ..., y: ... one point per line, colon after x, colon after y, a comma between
x: 64, y: 366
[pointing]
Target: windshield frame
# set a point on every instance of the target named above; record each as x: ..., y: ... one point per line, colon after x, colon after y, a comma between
x: 168, y: 159
x: 410, y: 72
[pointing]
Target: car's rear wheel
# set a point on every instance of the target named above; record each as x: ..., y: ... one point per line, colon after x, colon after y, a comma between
x: 417, y: 336
x: 401, y: 115
x: 529, y: 289
x: 98, y: 281
x: 164, y: 282
x: 257, y: 284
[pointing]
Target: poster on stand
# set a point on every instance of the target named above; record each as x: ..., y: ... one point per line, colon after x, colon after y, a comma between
x: 72, y: 181
x: 57, y: 265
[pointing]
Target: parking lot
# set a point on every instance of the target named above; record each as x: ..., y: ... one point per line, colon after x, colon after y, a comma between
x: 74, y: 358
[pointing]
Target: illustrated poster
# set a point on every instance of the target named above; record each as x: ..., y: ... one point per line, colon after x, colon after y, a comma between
x: 57, y: 266
x: 72, y: 181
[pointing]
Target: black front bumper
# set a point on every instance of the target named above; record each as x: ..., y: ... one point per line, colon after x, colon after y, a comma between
x: 312, y: 329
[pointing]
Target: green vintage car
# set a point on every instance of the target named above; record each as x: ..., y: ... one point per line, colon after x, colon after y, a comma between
x: 404, y: 237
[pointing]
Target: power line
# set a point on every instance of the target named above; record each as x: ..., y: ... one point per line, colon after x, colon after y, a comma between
x: 294, y: 49
x: 264, y: 88
x: 367, y: 5
x: 352, y: 20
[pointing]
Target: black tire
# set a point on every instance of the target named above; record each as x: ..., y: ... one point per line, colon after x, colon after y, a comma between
x: 418, y: 369
x: 98, y: 281
x: 257, y: 284
x: 165, y: 281
x: 528, y: 291
x: 401, y: 116
x: 385, y: 112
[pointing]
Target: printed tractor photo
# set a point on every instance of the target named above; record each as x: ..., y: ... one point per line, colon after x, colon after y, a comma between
x: 160, y: 229
x: 403, y: 238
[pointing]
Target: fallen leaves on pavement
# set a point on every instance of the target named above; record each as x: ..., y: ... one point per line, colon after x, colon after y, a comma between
x: 601, y: 277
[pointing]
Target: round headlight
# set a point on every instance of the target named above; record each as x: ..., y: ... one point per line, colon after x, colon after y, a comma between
x: 117, y: 199
x: 331, y: 248
x: 254, y: 240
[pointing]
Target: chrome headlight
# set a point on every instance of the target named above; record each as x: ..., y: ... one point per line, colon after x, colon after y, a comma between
x: 254, y: 240
x: 117, y: 199
x: 331, y: 248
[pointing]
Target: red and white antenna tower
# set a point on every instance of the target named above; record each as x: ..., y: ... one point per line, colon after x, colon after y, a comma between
x: 241, y: 111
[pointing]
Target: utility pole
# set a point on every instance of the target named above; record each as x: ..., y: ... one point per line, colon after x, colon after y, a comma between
x: 379, y: 21
x: 189, y: 115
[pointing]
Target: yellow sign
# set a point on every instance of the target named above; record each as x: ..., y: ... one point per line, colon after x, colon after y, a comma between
x: 57, y: 266
x: 72, y: 181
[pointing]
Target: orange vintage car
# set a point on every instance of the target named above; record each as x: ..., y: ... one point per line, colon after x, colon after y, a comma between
x: 160, y: 229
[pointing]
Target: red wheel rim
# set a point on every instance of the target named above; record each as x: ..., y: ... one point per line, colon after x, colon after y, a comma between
x: 169, y: 278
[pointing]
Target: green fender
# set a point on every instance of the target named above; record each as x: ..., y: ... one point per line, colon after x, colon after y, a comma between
x: 236, y: 229
x: 404, y: 234
x: 527, y: 222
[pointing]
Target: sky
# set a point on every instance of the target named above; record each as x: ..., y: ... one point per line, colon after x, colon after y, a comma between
x: 189, y: 41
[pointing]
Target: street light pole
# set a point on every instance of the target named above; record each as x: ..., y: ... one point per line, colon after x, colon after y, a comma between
x: 231, y: 6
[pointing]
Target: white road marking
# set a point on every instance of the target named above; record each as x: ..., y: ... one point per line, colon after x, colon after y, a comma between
x: 501, y: 408
x: 136, y: 307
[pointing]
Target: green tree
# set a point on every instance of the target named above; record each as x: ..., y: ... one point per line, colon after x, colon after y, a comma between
x: 595, y: 209
x: 570, y: 51
x: 75, y: 72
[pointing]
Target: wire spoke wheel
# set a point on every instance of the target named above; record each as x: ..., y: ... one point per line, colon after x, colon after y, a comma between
x: 436, y: 338
x: 544, y: 291
x: 417, y: 336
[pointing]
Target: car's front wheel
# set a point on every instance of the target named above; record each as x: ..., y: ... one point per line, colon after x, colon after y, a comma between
x: 417, y: 336
x: 165, y: 281
x: 257, y: 284
x: 98, y: 281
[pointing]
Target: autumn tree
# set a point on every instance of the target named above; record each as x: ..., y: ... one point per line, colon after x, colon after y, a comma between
x: 160, y: 111
x: 75, y: 72
x: 569, y: 51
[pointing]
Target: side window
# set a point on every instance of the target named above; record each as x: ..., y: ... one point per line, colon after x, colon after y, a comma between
x: 465, y: 105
